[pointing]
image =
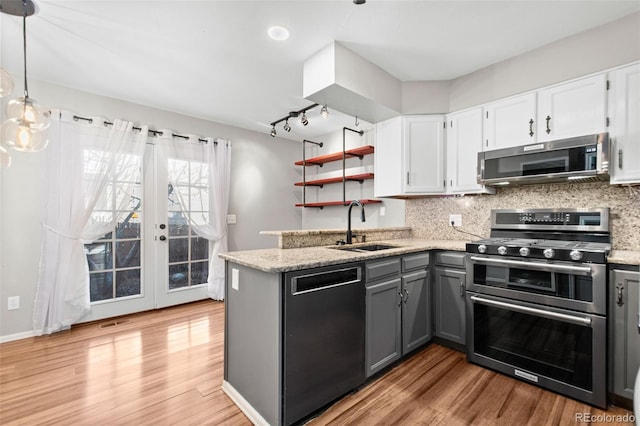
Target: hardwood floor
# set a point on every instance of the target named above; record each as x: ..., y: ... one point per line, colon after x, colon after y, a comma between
x: 165, y: 368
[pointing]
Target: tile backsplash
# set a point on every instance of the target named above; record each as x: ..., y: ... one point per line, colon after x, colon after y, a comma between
x: 429, y: 217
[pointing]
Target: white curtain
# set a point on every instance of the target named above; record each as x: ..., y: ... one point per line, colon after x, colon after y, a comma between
x: 199, y: 172
x: 88, y: 166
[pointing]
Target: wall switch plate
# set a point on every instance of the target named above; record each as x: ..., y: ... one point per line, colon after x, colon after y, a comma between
x: 455, y: 220
x: 13, y: 303
x: 383, y: 211
x: 231, y: 219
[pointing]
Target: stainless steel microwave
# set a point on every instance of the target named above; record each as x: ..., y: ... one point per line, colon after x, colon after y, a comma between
x: 582, y: 157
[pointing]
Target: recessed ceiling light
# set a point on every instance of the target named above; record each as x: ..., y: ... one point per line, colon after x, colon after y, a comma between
x: 278, y: 32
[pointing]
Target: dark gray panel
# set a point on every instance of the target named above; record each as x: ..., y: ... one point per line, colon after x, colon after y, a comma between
x: 415, y: 261
x: 381, y: 269
x: 450, y: 258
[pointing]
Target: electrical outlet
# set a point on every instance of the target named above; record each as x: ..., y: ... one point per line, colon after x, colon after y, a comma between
x: 231, y: 219
x: 383, y: 211
x: 13, y: 303
x: 455, y: 220
x: 235, y: 279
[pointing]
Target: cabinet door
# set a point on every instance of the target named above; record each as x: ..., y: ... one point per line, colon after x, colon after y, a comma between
x: 624, y: 343
x: 573, y: 109
x: 423, y: 138
x: 449, y: 289
x: 463, y: 143
x: 416, y: 318
x: 388, y: 168
x: 384, y: 344
x: 624, y: 110
x: 510, y: 122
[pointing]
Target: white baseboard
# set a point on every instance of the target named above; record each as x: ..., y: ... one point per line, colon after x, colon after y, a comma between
x: 243, y: 404
x: 16, y: 336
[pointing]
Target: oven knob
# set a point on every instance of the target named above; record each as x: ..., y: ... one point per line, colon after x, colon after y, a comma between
x: 482, y: 248
x: 575, y: 255
x: 502, y: 250
x: 524, y: 251
x: 549, y: 253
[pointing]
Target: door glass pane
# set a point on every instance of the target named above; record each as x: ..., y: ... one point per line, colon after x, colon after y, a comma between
x: 178, y: 275
x: 109, y: 278
x: 188, y: 206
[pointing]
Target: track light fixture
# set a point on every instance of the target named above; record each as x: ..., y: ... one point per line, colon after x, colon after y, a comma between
x: 302, y: 113
x: 324, y: 112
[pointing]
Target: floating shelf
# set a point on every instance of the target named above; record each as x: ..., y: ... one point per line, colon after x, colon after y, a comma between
x: 320, y: 182
x: 336, y: 203
x: 336, y: 156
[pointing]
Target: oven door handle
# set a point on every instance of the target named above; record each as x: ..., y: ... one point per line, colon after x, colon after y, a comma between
x: 573, y: 319
x: 548, y: 267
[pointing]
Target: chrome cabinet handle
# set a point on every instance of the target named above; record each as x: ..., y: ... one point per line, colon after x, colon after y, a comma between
x: 401, y: 298
x: 620, y: 299
x: 461, y: 289
x: 573, y: 319
x: 548, y: 128
x: 619, y: 158
x: 531, y: 127
x: 406, y: 296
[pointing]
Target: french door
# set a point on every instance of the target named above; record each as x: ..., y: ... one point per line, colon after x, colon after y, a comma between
x: 152, y: 258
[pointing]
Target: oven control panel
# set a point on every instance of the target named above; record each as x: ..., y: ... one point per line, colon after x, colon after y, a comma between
x: 594, y: 220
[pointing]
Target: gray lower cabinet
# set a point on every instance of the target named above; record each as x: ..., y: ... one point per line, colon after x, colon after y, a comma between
x: 624, y: 331
x: 449, y: 297
x: 397, y: 306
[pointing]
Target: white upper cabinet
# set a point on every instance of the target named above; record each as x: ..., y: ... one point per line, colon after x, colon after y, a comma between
x: 510, y: 122
x: 624, y: 131
x: 576, y: 108
x: 463, y: 143
x: 571, y: 109
x: 409, y: 156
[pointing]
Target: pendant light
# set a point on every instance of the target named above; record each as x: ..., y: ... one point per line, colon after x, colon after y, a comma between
x: 26, y: 128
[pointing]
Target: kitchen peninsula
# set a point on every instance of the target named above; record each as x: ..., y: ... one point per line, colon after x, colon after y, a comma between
x: 286, y: 306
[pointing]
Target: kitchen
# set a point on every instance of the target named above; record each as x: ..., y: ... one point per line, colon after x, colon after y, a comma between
x: 263, y: 168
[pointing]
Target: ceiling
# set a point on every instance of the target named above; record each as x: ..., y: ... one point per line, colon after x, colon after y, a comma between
x: 214, y: 60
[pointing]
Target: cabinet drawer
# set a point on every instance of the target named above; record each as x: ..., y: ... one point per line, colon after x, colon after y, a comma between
x: 383, y: 268
x: 415, y: 261
x: 450, y: 258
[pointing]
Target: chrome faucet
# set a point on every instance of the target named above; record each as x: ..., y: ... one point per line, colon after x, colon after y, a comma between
x: 362, y: 218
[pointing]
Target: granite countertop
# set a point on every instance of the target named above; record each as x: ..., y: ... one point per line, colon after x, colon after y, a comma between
x: 624, y: 257
x: 284, y: 260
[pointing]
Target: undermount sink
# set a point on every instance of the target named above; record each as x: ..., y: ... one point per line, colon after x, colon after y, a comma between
x: 366, y: 248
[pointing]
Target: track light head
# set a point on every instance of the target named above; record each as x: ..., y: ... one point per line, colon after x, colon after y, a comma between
x: 286, y: 126
x: 303, y: 119
x: 273, y: 131
x: 324, y: 112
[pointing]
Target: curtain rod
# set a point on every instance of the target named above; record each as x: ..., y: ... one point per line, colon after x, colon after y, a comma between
x: 153, y: 132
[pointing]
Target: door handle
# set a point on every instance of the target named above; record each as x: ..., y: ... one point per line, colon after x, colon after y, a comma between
x: 548, y: 128
x: 620, y: 299
x: 620, y: 158
x: 531, y: 127
x: 461, y: 289
x: 401, y: 298
x: 163, y: 238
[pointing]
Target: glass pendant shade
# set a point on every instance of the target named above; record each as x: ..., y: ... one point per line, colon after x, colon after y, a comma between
x: 28, y: 110
x: 6, y: 83
x: 23, y: 135
x: 5, y: 157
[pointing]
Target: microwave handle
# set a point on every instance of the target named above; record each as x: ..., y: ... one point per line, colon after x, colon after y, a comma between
x: 548, y: 267
x: 572, y: 319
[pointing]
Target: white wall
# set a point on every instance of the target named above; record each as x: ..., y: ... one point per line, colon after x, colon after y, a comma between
x: 598, y: 49
x: 262, y: 192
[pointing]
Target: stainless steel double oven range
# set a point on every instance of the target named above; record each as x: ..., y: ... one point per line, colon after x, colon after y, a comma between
x: 537, y: 299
